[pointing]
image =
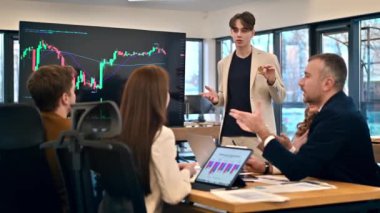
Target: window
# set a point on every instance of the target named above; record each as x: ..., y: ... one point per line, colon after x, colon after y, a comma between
x: 227, y: 47
x: 193, y: 75
x: 294, y: 55
x: 8, y: 58
x: 263, y: 42
x: 194, y: 67
x: 370, y: 70
x: 356, y: 39
x: 337, y: 42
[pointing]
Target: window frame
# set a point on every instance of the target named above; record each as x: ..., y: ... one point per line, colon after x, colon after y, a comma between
x: 9, y: 37
x: 201, y: 64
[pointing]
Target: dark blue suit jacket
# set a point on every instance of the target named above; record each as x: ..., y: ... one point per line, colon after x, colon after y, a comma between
x: 338, y: 147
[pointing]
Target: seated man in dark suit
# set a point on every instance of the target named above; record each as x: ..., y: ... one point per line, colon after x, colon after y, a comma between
x: 338, y: 145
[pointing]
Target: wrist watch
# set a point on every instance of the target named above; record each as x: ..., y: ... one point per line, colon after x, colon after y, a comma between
x: 267, y: 167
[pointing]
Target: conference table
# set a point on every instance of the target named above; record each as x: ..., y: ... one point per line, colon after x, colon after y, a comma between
x: 346, y: 197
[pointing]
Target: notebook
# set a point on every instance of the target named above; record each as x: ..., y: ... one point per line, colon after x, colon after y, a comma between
x: 202, y: 147
x: 222, y: 169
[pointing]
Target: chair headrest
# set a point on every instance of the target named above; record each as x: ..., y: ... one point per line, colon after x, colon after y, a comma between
x: 96, y: 120
x: 20, y: 126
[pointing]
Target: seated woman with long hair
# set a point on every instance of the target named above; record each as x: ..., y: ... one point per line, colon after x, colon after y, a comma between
x: 143, y: 110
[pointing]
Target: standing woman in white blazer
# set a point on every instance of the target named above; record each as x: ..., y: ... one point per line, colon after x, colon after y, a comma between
x: 246, y: 76
x: 143, y: 110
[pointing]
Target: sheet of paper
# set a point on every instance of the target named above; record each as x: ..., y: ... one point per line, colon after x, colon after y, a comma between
x: 248, y: 196
x: 271, y: 179
x: 296, y: 187
x: 249, y: 179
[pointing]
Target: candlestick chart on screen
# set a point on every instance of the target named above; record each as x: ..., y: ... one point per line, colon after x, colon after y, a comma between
x: 103, y: 58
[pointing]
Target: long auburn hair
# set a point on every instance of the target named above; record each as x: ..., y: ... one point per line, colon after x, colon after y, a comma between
x: 143, y: 111
x: 303, y: 126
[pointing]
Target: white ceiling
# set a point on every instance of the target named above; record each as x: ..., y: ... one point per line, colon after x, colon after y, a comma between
x: 186, y: 5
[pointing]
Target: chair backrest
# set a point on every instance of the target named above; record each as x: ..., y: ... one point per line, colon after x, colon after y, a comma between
x: 96, y: 120
x: 117, y: 175
x: 76, y: 174
x: 26, y: 183
x: 20, y: 126
x: 90, y: 161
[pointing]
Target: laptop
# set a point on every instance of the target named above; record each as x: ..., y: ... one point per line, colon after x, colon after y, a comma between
x: 222, y: 169
x: 202, y: 147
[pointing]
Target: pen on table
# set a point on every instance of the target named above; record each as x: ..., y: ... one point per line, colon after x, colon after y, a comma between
x: 318, y: 183
x: 308, y: 181
x: 288, y: 182
x: 312, y: 182
x: 233, y: 142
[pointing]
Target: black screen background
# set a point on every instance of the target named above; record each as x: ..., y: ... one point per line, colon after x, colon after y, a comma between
x: 83, y: 47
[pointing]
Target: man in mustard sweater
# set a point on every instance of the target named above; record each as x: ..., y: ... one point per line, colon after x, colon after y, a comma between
x: 52, y: 89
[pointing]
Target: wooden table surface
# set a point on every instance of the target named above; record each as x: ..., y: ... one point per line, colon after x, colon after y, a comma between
x: 344, y: 193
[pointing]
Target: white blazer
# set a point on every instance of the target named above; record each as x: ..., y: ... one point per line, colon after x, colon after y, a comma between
x: 167, y: 182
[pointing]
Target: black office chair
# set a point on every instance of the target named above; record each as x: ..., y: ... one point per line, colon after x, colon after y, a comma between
x: 91, y: 161
x: 26, y: 184
x: 77, y: 177
x: 118, y: 175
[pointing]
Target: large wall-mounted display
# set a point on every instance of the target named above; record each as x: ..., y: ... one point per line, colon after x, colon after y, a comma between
x: 103, y: 58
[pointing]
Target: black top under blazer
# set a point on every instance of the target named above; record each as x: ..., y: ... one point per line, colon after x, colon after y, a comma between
x: 338, y: 147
